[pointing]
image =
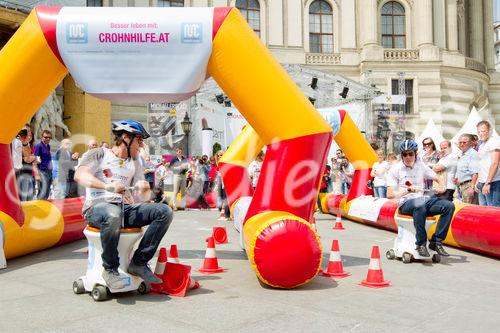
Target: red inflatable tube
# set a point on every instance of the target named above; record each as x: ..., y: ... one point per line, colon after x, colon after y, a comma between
x: 236, y: 182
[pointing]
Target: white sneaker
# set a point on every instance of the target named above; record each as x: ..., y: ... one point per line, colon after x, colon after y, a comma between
x: 115, y: 280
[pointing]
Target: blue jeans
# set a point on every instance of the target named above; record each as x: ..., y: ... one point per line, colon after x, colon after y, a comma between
x: 108, y: 217
x: 44, y: 184
x: 492, y: 199
x: 380, y: 191
x: 344, y: 187
x: 422, y: 207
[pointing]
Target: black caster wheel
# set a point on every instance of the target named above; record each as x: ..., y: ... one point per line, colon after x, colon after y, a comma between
x: 78, y: 287
x: 406, y: 258
x: 99, y: 293
x: 436, y: 258
x: 144, y: 288
x: 390, y: 254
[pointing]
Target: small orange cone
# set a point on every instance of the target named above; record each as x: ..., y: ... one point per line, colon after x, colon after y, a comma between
x: 176, y: 280
x: 211, y: 265
x: 338, y: 223
x: 335, y: 268
x: 375, y: 276
x: 220, y: 235
x: 221, y: 215
x: 174, y: 255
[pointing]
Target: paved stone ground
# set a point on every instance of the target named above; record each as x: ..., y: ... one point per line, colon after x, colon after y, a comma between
x: 462, y: 293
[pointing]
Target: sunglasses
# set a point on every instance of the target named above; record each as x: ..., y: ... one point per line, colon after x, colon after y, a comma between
x: 408, y: 154
x: 427, y: 143
x: 47, y: 137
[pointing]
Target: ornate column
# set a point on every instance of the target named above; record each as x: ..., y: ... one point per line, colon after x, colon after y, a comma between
x: 476, y: 30
x: 369, y: 31
x: 452, y: 25
x: 489, y: 48
x: 425, y: 37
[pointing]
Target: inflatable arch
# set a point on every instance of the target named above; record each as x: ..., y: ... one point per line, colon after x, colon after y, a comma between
x: 156, y: 54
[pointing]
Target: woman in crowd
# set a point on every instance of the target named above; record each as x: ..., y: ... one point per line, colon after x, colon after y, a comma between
x: 379, y: 171
x: 430, y: 157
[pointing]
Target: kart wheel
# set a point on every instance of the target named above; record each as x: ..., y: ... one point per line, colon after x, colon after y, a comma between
x: 144, y: 288
x: 99, y: 293
x: 78, y: 287
x: 436, y: 258
x: 390, y: 254
x: 406, y: 258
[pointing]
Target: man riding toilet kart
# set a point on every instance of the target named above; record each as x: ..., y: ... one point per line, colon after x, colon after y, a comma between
x: 405, y: 182
x: 107, y: 174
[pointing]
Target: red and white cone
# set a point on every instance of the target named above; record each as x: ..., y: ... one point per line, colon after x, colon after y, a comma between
x: 174, y: 255
x: 162, y: 260
x: 176, y: 280
x: 338, y: 223
x: 221, y: 216
x: 375, y: 276
x: 335, y: 268
x: 210, y: 265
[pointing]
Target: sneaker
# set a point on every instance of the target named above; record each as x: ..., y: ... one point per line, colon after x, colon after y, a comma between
x: 144, y: 272
x: 439, y: 249
x: 114, y: 279
x: 422, y: 251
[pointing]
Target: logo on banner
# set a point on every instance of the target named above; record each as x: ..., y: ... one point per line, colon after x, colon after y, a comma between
x: 192, y: 33
x: 76, y: 33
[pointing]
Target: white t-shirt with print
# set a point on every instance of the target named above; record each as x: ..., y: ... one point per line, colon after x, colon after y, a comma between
x: 109, y: 168
x: 401, y: 177
x: 380, y: 170
x: 484, y: 152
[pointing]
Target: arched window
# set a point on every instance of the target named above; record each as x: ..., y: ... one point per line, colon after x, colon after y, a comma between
x: 170, y: 3
x: 393, y: 26
x: 250, y: 9
x: 320, y: 27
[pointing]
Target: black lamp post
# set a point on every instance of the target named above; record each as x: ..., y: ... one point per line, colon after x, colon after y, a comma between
x: 186, y: 128
x: 385, y: 132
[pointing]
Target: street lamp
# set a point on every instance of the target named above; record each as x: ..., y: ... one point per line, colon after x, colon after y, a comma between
x: 385, y: 132
x: 186, y: 128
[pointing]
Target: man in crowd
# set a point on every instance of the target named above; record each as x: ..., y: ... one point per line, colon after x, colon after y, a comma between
x: 42, y: 151
x: 107, y: 173
x: 406, y: 182
x: 488, y: 183
x: 179, y: 166
x: 67, y: 163
x: 446, y: 167
x: 467, y: 169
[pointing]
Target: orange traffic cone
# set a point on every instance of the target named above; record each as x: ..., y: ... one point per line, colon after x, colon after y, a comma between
x: 375, y: 276
x: 211, y: 265
x: 176, y: 280
x: 174, y: 255
x: 222, y: 217
x: 335, y: 268
x: 162, y: 260
x: 220, y: 235
x: 338, y: 223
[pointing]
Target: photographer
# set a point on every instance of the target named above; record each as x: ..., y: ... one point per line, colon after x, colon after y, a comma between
x: 179, y: 166
x: 346, y: 172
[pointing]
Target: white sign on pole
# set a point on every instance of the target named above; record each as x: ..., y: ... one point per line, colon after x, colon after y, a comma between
x: 136, y: 54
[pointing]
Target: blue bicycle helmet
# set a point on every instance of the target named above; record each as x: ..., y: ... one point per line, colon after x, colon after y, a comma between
x: 129, y: 126
x: 408, y: 145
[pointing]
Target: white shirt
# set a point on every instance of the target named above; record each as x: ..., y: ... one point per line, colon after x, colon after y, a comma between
x: 17, y: 154
x: 485, y: 151
x: 401, y: 176
x: 161, y: 171
x: 254, y: 171
x: 450, y: 163
x: 380, y: 170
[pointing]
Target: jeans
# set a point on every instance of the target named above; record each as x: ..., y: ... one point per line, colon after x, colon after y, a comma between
x: 108, y: 217
x: 492, y: 199
x: 344, y: 187
x: 380, y: 191
x: 422, y: 207
x: 44, y: 185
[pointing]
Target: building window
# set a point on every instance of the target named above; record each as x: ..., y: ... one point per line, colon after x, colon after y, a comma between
x: 320, y: 27
x: 408, y: 107
x: 170, y: 3
x: 250, y: 9
x: 393, y: 26
x: 94, y: 3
